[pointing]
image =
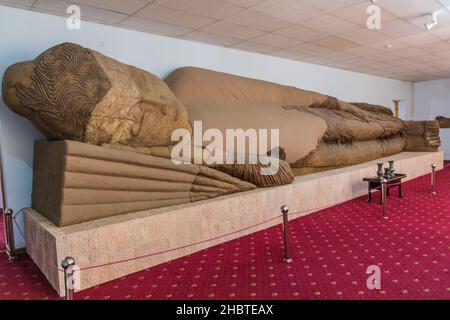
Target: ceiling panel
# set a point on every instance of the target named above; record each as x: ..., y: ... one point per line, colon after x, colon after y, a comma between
x: 291, y: 10
x: 409, y: 8
x: 330, y: 24
x: 328, y: 32
x: 332, y: 6
x: 92, y: 13
x: 206, y: 37
x: 399, y: 28
x: 277, y: 41
x: 154, y: 26
x: 336, y: 43
x: 353, y: 14
x: 302, y: 33
x: 255, y: 47
x: 209, y: 8
x: 228, y: 29
x: 257, y: 20
x: 364, y: 36
x: 127, y: 7
x: 173, y: 16
x: 244, y: 3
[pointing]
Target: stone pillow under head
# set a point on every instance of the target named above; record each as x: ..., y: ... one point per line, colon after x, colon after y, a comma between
x: 70, y: 92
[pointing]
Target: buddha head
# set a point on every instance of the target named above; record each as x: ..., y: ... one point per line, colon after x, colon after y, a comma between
x: 70, y: 92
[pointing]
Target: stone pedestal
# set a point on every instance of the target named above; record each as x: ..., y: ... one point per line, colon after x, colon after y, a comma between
x: 107, y: 240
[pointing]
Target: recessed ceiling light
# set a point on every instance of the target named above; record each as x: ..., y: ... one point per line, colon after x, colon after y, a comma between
x: 388, y: 46
x: 430, y: 25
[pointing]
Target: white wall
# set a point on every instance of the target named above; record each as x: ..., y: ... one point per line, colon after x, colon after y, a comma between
x: 432, y: 99
x: 25, y: 34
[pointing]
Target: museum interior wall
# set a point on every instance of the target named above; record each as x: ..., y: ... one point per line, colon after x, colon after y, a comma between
x: 160, y: 56
x: 431, y: 100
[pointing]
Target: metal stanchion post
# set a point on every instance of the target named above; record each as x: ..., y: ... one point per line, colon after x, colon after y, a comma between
x: 433, y: 179
x: 9, y: 230
x: 384, y: 197
x: 285, y: 211
x: 67, y: 264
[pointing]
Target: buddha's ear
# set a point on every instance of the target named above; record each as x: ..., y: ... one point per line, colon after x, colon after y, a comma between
x: 17, y: 76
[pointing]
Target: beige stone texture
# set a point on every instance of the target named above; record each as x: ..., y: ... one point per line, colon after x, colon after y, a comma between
x: 75, y: 182
x: 423, y: 136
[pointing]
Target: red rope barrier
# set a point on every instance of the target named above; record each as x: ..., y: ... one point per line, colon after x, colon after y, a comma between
x: 18, y: 228
x: 159, y: 252
x: 319, y: 208
x: 179, y: 248
x: 18, y: 212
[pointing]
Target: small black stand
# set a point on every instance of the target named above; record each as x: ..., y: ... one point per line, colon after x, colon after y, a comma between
x: 375, y: 184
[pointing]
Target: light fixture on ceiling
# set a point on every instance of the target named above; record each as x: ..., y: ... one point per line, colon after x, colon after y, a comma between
x: 430, y: 25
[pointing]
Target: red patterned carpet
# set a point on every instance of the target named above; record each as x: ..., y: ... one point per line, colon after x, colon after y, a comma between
x: 332, y: 250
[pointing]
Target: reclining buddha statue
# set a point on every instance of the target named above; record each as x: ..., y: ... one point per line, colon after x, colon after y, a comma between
x: 110, y: 126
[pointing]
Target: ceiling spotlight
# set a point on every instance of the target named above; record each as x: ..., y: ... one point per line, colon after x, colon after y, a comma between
x: 430, y: 25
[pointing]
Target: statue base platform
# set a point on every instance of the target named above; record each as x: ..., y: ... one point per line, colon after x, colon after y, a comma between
x: 105, y: 241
